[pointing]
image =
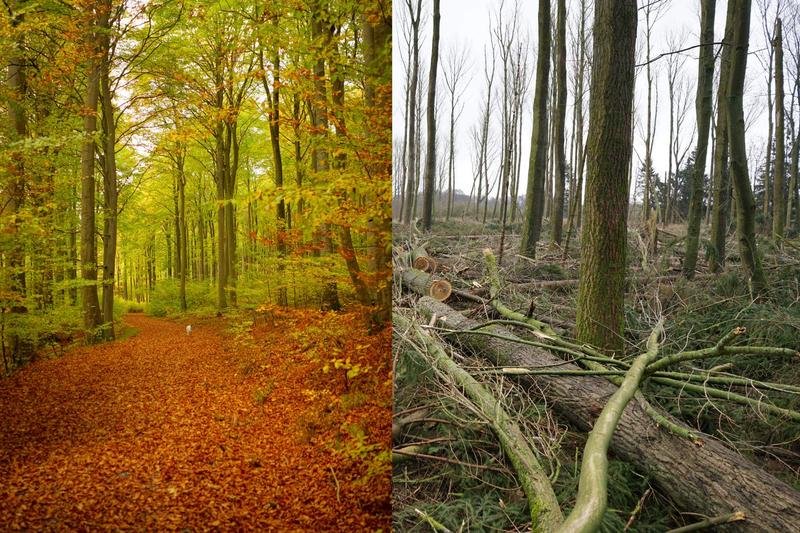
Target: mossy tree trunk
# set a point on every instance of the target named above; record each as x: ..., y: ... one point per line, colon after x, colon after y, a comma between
x: 430, y: 153
x: 600, y: 312
x: 722, y: 184
x: 537, y: 167
x: 705, y: 84
x: 780, y: 149
x: 745, y: 203
x: 560, y: 115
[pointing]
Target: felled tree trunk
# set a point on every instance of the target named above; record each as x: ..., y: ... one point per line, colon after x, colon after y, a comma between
x: 710, y: 479
x: 425, y: 284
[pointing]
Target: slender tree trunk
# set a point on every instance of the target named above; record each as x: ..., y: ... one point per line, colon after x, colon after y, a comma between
x: 560, y: 115
x: 274, y: 134
x: 745, y: 203
x: 91, y: 303
x: 110, y: 191
x: 537, y: 168
x: 182, y: 246
x: 430, y: 152
x: 413, y: 148
x: 780, y: 151
x: 703, y: 102
x: 792, y: 196
x: 376, y: 43
x: 722, y: 184
x: 600, y: 312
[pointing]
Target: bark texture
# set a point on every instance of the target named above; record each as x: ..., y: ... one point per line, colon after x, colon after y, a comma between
x: 705, y: 84
x: 430, y: 153
x: 711, y: 479
x: 722, y: 183
x: 537, y: 166
x: 745, y: 203
x: 600, y: 311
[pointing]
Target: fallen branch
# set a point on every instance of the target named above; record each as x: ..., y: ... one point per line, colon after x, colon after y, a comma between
x: 591, y: 502
x: 494, y: 292
x: 708, y: 522
x: 722, y: 348
x: 709, y: 479
x: 542, y: 502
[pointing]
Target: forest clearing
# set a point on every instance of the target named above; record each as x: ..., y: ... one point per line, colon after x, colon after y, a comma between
x: 228, y: 428
x: 597, y: 266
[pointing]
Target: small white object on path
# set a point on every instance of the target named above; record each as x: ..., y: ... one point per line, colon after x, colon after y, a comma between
x: 188, y: 329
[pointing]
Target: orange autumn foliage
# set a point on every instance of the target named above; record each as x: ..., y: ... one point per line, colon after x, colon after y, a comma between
x: 169, y: 431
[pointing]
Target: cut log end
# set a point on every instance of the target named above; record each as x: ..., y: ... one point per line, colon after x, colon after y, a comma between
x: 440, y: 290
x: 426, y: 264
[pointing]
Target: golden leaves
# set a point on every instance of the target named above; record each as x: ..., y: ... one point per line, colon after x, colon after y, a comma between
x: 160, y: 432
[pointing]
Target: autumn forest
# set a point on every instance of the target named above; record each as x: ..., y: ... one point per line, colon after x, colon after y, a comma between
x: 202, y: 186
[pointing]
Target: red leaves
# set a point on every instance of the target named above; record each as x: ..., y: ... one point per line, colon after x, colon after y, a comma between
x: 161, y: 432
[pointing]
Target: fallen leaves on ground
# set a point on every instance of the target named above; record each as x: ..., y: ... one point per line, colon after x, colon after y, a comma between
x: 169, y: 431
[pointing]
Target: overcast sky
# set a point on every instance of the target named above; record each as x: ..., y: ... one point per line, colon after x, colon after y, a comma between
x: 465, y: 25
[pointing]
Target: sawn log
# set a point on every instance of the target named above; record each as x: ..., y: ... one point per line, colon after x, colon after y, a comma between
x: 711, y: 479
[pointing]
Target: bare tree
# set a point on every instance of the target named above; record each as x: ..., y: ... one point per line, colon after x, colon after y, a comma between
x: 430, y: 155
x: 537, y: 168
x: 780, y: 135
x: 721, y: 177
x: 558, y: 126
x: 675, y: 63
x: 454, y: 73
x: 745, y: 209
x: 414, y: 13
x: 600, y: 311
x: 705, y: 86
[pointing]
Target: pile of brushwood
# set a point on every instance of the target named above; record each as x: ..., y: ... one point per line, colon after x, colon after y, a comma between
x: 504, y: 422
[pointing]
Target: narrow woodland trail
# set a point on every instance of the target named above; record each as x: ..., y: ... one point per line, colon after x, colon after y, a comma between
x: 161, y: 431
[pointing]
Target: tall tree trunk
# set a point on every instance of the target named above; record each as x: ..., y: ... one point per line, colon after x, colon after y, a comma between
x: 183, y: 245
x: 273, y: 98
x: 600, y: 312
x: 722, y: 184
x: 703, y: 102
x: 346, y: 247
x: 231, y: 166
x: 91, y: 303
x: 780, y: 135
x: 376, y: 42
x: 537, y: 167
x: 110, y: 190
x: 14, y: 194
x: 792, y: 197
x: 745, y: 203
x: 430, y: 152
x: 560, y: 115
x: 413, y: 142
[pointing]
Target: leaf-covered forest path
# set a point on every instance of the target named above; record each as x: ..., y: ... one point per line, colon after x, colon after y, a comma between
x: 161, y: 431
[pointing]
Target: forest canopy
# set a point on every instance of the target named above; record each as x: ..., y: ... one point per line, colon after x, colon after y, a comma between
x: 191, y: 154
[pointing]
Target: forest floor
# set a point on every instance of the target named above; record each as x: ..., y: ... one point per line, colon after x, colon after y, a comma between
x: 169, y: 431
x: 452, y: 469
